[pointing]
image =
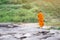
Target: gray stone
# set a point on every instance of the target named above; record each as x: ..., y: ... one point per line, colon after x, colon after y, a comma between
x: 57, y: 36
x: 9, y: 25
x: 51, y: 38
x: 28, y: 34
x: 7, y: 37
x: 42, y: 32
x: 43, y: 36
x: 53, y: 31
x: 32, y: 38
x: 19, y: 36
x: 4, y: 24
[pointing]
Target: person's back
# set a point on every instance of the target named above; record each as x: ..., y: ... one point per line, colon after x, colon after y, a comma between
x: 41, y: 19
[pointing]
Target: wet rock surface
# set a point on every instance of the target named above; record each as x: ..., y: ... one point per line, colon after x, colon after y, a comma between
x: 28, y: 33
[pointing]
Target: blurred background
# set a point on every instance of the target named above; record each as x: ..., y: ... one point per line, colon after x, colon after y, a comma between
x: 25, y: 11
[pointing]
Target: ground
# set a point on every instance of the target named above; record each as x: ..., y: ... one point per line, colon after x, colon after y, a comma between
x: 28, y: 31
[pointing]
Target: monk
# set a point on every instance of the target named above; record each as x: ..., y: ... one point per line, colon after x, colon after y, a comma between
x: 41, y: 19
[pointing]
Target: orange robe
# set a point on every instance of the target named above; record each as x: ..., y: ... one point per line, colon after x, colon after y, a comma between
x: 41, y: 19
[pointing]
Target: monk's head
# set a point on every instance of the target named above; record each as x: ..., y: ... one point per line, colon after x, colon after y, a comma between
x: 39, y: 11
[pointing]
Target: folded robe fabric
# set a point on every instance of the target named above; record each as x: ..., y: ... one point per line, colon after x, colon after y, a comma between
x: 41, y: 19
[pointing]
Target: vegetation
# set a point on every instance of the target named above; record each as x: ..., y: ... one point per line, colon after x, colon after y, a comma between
x: 17, y: 13
x: 26, y: 10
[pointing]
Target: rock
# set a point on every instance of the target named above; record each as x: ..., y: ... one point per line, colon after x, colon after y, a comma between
x: 28, y: 35
x: 57, y: 36
x: 5, y: 24
x: 53, y: 31
x: 51, y: 38
x: 9, y: 25
x: 13, y: 25
x: 19, y: 36
x: 23, y: 37
x: 46, y: 36
x: 43, y: 36
x: 32, y: 38
x: 44, y: 32
x: 7, y: 37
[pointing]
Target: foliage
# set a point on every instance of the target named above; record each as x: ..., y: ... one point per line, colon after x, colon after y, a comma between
x: 16, y: 14
x: 26, y: 10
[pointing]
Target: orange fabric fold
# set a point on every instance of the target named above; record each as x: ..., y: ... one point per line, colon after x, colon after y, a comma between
x: 41, y: 19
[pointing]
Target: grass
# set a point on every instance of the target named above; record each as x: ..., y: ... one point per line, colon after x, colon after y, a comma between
x: 15, y: 13
x: 28, y: 12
